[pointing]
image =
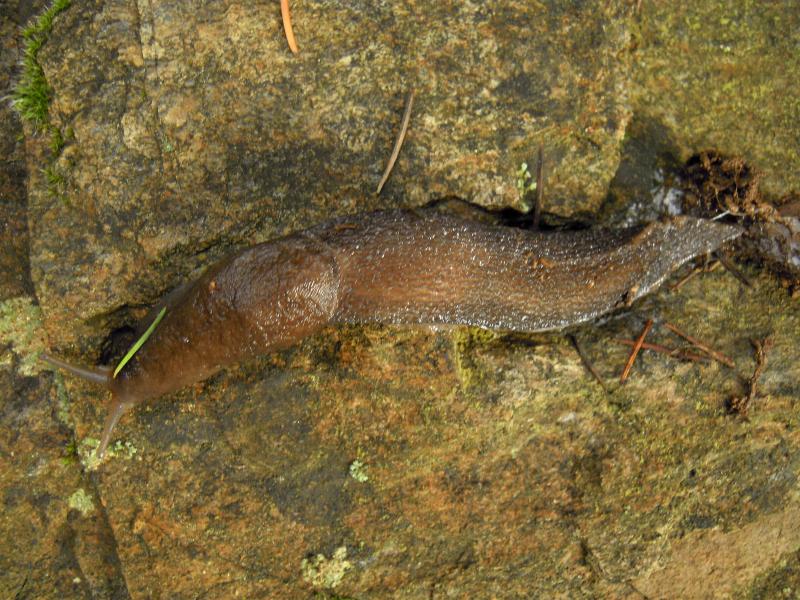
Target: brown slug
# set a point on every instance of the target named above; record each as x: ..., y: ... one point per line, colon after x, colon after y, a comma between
x: 420, y: 267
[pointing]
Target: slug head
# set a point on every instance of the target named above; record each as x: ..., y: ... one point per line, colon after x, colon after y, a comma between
x: 118, y: 405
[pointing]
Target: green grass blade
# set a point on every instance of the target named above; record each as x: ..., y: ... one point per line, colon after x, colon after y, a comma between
x: 140, y: 341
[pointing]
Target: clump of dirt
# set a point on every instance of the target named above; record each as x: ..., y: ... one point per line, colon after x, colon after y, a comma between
x: 716, y: 185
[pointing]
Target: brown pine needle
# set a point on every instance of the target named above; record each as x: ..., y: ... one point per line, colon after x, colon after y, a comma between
x: 687, y: 278
x: 674, y: 352
x: 635, y: 351
x: 718, y: 356
x: 585, y: 360
x: 702, y: 268
x: 731, y: 268
x: 399, y: 142
x: 287, y: 26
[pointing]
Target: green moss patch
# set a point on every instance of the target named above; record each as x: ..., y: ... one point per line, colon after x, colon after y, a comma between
x: 31, y: 97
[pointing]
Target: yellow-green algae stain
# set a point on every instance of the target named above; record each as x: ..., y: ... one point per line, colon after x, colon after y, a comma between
x: 466, y: 340
x: 713, y: 70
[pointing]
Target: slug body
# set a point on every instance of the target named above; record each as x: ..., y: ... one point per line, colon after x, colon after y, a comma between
x: 405, y: 267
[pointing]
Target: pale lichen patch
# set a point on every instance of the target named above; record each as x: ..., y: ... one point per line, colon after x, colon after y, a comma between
x: 322, y: 572
x: 358, y: 471
x: 81, y: 501
x: 87, y: 450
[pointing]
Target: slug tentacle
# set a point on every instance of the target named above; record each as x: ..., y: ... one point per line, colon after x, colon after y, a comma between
x: 101, y: 375
x: 117, y: 409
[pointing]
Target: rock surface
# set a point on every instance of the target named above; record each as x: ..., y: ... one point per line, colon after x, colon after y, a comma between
x: 193, y: 130
x: 723, y: 75
x: 386, y: 462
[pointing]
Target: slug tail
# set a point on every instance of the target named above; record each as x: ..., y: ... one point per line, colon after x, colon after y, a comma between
x: 118, y: 409
x: 101, y: 375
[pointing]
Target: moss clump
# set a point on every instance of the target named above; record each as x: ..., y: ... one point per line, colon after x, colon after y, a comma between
x: 55, y: 180
x: 63, y: 403
x: 31, y: 97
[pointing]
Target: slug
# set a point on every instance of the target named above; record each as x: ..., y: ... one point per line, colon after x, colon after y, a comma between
x: 404, y: 267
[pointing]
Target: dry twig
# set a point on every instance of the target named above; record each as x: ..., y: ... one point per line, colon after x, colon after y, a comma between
x: 706, y: 267
x: 726, y: 262
x: 740, y: 405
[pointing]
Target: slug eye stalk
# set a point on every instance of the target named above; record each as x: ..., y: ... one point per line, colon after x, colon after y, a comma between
x: 101, y: 375
x: 115, y: 412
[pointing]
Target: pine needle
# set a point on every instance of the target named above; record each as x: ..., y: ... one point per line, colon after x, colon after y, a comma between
x: 397, y: 145
x: 287, y: 26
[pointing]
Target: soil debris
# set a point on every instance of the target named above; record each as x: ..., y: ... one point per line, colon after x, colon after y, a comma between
x: 740, y: 405
x: 717, y: 185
